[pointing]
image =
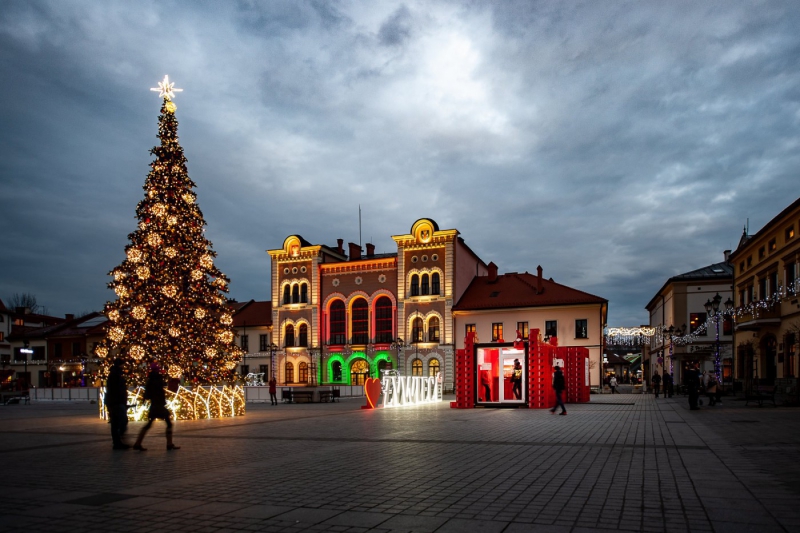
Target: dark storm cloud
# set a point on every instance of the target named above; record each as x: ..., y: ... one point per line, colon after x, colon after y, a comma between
x: 615, y: 144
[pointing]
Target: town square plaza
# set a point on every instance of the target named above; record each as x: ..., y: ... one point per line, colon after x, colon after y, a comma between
x: 621, y: 462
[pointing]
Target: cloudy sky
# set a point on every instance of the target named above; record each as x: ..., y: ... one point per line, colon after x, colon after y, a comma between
x: 613, y: 143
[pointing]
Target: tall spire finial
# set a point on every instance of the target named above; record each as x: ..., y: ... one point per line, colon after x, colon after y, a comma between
x: 166, y: 88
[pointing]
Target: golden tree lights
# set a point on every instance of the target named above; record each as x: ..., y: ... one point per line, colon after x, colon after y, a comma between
x: 170, y: 305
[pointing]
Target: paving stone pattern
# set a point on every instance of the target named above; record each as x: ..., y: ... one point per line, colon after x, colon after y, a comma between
x: 622, y: 462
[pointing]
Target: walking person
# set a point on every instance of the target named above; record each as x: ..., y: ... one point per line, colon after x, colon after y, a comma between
x: 154, y: 391
x: 116, y: 400
x: 559, y: 385
x: 612, y: 383
x: 273, y: 390
x: 693, y: 385
x: 668, y: 386
x: 656, y: 383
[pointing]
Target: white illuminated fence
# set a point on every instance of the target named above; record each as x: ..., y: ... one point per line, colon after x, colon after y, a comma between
x: 186, y: 404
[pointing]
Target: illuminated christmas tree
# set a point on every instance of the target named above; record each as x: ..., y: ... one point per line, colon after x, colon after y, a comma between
x: 170, y: 305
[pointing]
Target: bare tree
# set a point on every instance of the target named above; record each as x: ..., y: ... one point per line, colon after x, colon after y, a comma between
x: 24, y: 300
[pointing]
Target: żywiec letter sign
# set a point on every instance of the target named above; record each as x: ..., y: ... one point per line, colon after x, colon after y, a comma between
x: 400, y: 391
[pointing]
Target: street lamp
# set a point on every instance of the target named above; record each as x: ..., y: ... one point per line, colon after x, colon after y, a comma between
x: 712, y: 307
x: 272, y: 348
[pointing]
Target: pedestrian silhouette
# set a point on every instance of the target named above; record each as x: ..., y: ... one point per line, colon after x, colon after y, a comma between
x: 154, y: 391
x: 116, y: 401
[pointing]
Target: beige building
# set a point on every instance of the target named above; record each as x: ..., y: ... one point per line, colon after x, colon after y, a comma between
x: 767, y: 306
x: 680, y: 304
x: 497, y: 306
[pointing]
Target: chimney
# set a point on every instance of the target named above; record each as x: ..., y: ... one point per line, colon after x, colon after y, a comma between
x: 22, y: 310
x: 340, y: 246
x: 69, y: 316
x: 727, y: 254
x: 355, y: 251
x: 370, y: 249
x: 492, y: 272
x: 539, y: 289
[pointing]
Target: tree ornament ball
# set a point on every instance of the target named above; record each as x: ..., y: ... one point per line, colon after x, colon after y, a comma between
x: 170, y: 107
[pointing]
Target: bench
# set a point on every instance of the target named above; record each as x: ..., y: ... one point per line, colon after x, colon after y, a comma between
x: 759, y: 393
x: 286, y: 395
x: 14, y: 397
x: 328, y: 395
x: 306, y: 395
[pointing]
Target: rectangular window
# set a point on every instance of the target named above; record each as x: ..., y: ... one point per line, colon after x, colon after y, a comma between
x: 469, y: 328
x: 76, y: 349
x: 791, y: 278
x: 750, y: 294
x: 497, y: 331
x: 57, y: 350
x: 773, y: 283
x: 773, y: 245
x: 264, y: 369
x: 762, y: 288
x: 727, y: 326
x: 263, y: 343
x: 582, y: 328
x: 789, y: 233
x: 762, y: 252
x: 244, y: 369
x: 695, y: 321
x: 522, y: 327
x: 551, y: 328
x: 749, y: 261
x: 246, y: 343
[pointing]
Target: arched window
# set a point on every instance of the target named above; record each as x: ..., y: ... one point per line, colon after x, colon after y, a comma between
x: 435, y: 284
x: 302, y: 371
x: 416, y: 367
x: 336, y: 368
x: 337, y: 321
x: 287, y: 295
x: 360, y: 326
x: 433, y: 367
x: 304, y: 293
x: 303, y: 334
x: 425, y: 287
x: 416, y: 330
x: 359, y: 372
x: 433, y: 329
x: 383, y: 364
x: 288, y: 370
x: 414, y: 285
x: 288, y: 336
x: 295, y: 293
x: 383, y: 320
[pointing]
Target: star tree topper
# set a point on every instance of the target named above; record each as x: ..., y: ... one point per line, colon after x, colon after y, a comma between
x: 166, y: 89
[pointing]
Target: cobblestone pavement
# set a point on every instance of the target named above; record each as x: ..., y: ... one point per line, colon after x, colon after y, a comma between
x: 622, y: 462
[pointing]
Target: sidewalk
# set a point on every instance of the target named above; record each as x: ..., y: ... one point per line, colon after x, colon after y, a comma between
x: 622, y: 462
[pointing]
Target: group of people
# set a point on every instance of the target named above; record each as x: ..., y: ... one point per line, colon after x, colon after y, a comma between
x: 697, y: 384
x: 116, y: 400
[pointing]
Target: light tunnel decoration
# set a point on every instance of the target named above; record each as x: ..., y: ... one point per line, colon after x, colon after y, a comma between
x: 186, y: 404
x: 404, y: 391
x: 348, y: 362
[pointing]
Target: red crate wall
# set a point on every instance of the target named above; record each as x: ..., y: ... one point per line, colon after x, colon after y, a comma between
x: 575, y: 373
x: 540, y: 374
x: 465, y: 378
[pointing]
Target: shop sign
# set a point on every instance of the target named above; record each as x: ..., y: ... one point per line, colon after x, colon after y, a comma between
x: 401, y: 391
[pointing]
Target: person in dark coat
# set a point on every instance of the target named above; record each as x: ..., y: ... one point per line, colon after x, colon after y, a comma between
x: 559, y: 385
x: 116, y: 401
x: 693, y: 385
x: 273, y: 390
x: 154, y: 391
x: 656, y: 383
x: 667, y: 385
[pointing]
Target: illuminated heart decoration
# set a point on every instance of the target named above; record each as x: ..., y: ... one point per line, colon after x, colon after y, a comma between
x: 372, y: 388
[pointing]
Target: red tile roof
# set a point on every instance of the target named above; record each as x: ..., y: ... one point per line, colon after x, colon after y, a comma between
x: 520, y: 290
x: 252, y: 313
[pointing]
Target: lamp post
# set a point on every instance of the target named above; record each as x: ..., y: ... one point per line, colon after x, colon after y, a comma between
x: 272, y: 348
x: 712, y: 308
